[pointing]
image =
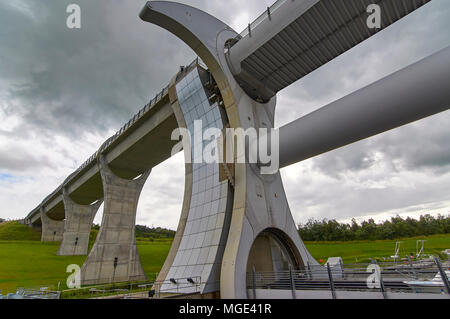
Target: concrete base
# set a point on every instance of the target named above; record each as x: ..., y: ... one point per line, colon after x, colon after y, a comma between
x: 52, y: 230
x: 77, y: 228
x: 114, y: 256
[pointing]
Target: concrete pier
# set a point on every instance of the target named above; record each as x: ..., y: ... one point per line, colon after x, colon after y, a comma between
x: 52, y: 230
x: 77, y: 227
x: 114, y: 256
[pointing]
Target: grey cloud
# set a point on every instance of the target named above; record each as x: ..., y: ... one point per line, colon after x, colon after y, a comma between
x: 421, y: 146
x: 311, y: 196
x: 68, y: 81
x: 19, y: 160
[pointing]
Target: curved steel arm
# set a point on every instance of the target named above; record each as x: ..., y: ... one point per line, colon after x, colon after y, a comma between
x: 196, y: 28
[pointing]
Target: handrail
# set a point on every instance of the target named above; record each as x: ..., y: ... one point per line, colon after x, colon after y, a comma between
x: 263, y: 16
x: 155, y: 286
x: 340, y: 277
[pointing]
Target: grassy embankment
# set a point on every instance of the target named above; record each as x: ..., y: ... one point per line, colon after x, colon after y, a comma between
x: 26, y: 262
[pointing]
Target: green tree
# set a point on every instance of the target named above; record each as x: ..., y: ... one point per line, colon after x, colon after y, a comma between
x: 396, y: 227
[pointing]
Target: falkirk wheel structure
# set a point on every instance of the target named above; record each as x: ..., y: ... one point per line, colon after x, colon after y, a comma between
x: 235, y: 218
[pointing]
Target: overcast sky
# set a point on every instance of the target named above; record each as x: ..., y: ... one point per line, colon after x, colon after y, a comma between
x: 63, y: 92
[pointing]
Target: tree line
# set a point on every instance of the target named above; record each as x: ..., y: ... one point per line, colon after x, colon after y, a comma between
x: 144, y: 232
x: 154, y: 232
x: 396, y: 227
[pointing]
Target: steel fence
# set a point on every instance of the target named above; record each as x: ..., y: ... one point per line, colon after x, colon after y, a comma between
x: 391, y: 277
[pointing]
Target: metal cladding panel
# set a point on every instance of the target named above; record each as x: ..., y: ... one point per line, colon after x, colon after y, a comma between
x: 325, y: 31
x: 204, y: 236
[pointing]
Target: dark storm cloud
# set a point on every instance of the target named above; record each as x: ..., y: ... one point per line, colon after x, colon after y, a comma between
x: 67, y: 81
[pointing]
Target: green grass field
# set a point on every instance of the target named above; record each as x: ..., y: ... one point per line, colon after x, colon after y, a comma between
x: 362, y: 251
x: 30, y: 263
x: 17, y: 231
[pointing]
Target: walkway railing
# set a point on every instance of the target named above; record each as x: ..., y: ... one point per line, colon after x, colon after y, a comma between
x: 155, y: 289
x: 135, y: 289
x: 265, y: 15
x: 174, y: 286
x: 356, y: 277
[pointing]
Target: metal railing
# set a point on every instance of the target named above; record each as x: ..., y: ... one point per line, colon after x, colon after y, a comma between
x: 138, y: 289
x: 189, y: 67
x: 156, y: 289
x: 177, y: 286
x: 265, y: 15
x: 355, y: 277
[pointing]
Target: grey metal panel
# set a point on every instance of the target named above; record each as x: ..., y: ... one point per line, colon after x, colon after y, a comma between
x: 415, y: 92
x: 201, y: 237
x: 325, y: 31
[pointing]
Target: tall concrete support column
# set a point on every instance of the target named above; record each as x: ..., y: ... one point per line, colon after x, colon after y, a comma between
x: 114, y: 256
x: 52, y: 230
x: 77, y: 228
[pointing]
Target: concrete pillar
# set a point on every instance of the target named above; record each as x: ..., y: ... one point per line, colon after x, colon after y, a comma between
x: 114, y: 256
x: 52, y: 230
x: 77, y: 228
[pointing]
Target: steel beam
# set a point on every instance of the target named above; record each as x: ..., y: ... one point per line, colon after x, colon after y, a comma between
x: 415, y: 92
